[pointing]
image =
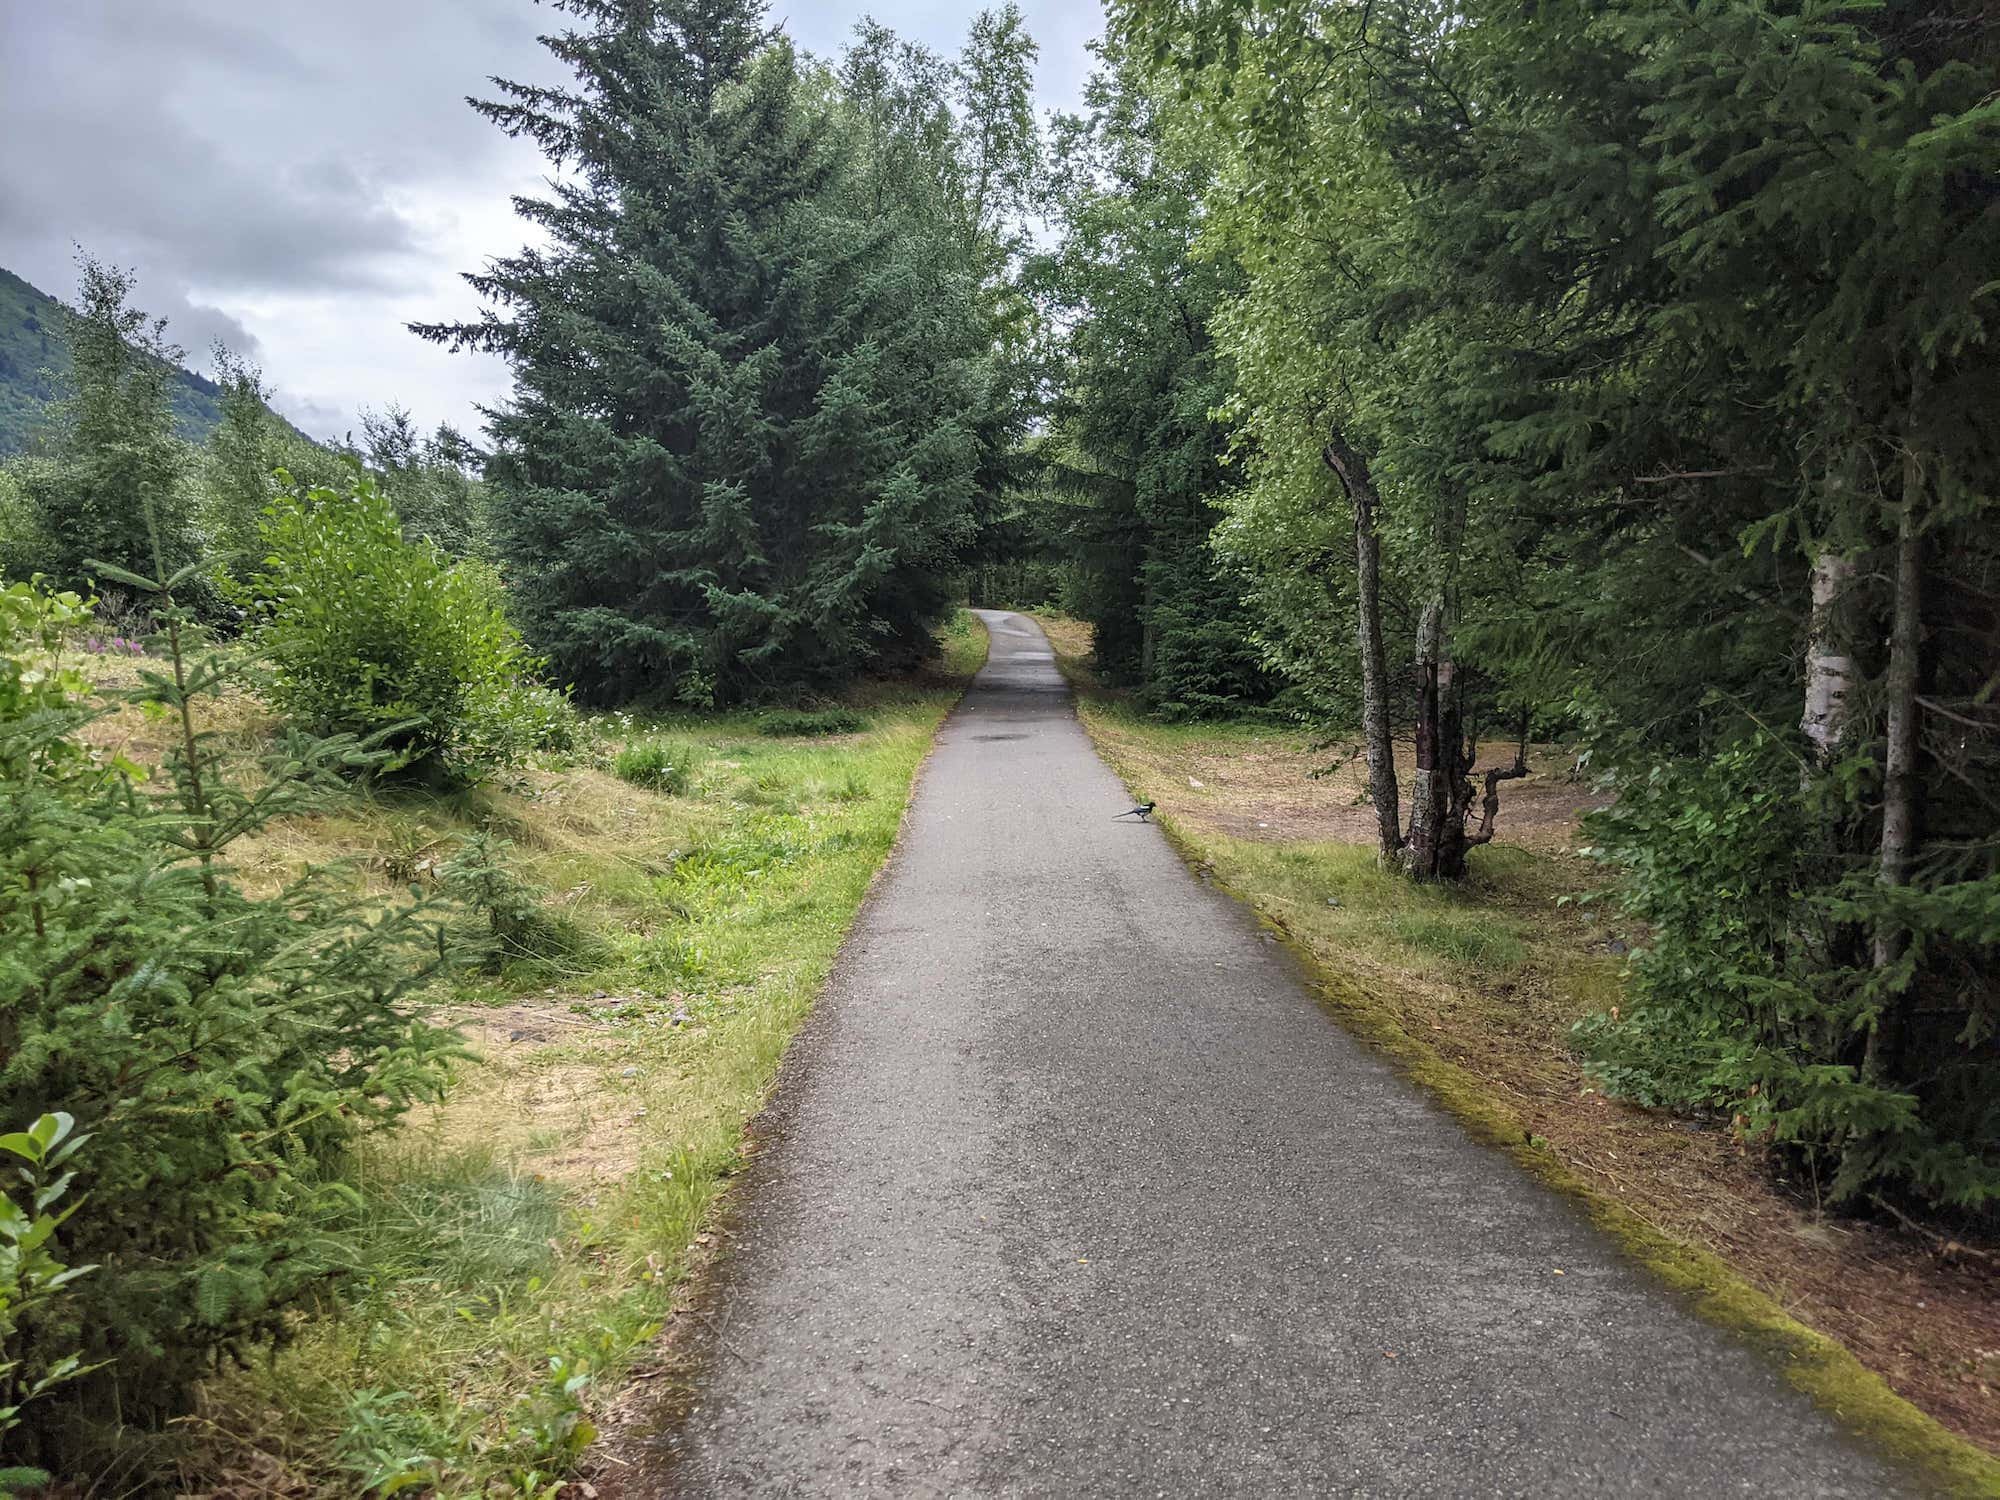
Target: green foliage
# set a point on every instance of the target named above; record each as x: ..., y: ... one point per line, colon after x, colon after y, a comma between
x: 780, y: 722
x: 669, y: 766
x: 1751, y: 997
x: 1612, y: 300
x: 430, y: 481
x: 752, y: 403
x: 223, y: 1050
x: 36, y: 679
x: 35, y: 371
x: 31, y: 1275
x: 116, y: 487
x: 520, y: 930
x: 1135, y: 472
x: 237, y: 473
x: 380, y: 637
x: 24, y: 542
x: 509, y: 721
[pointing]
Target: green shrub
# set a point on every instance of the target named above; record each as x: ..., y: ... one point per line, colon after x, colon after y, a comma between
x: 1754, y: 996
x: 547, y: 719
x: 668, y: 766
x: 223, y: 1051
x: 24, y: 539
x: 799, y: 721
x: 507, y: 721
x: 518, y: 928
x: 381, y: 638
x: 31, y: 1275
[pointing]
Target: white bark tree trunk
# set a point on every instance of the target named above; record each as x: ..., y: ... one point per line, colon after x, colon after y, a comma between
x: 1829, y: 663
x: 1902, y: 787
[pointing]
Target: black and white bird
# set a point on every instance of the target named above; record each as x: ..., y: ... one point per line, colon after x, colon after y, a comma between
x: 1143, y: 812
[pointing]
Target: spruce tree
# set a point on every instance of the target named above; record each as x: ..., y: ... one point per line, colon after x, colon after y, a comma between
x: 1143, y: 449
x: 737, y: 460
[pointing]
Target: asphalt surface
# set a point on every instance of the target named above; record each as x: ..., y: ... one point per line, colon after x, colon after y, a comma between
x: 1071, y: 1188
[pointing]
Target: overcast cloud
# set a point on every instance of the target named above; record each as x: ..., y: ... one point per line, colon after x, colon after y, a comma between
x: 300, y: 180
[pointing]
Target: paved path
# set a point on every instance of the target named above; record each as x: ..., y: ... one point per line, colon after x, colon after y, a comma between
x: 1071, y: 1189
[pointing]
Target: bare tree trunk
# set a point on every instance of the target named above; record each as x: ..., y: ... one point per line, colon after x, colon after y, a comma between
x: 1901, y: 784
x: 1822, y: 942
x: 1829, y: 663
x: 1490, y: 804
x: 1351, y: 469
x: 1437, y: 744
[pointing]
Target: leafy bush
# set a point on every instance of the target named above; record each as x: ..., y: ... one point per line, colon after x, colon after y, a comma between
x: 381, y: 638
x: 666, y: 766
x: 1755, y: 996
x: 795, y: 721
x: 31, y: 1276
x: 547, y: 720
x: 24, y: 540
x: 223, y: 1050
x: 508, y: 721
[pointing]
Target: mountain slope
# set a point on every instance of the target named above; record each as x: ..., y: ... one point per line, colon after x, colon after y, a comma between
x: 34, y: 369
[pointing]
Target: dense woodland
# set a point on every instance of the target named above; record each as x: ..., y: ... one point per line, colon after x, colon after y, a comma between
x: 1620, y: 372
x: 1616, y: 376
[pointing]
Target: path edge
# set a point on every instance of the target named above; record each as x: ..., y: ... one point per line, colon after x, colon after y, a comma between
x: 688, y: 1342
x: 1825, y: 1369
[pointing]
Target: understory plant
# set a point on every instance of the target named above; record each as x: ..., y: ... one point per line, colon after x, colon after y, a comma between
x: 1756, y: 997
x: 31, y: 1276
x: 223, y: 1050
x: 659, y: 765
x: 384, y: 638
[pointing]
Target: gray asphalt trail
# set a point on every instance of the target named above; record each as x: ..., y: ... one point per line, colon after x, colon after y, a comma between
x: 1070, y: 1188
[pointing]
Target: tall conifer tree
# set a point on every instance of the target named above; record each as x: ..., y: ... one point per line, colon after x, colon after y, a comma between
x: 738, y: 458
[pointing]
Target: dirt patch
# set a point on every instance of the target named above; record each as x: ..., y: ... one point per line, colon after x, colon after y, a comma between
x: 1291, y: 793
x: 546, y: 1086
x: 1279, y: 787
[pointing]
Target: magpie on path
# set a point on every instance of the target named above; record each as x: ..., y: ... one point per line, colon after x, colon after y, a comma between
x: 1144, y: 812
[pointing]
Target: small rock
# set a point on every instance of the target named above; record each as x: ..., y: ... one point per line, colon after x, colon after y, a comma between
x: 629, y: 1073
x: 1616, y: 949
x: 598, y: 994
x: 1333, y: 901
x: 524, y: 1036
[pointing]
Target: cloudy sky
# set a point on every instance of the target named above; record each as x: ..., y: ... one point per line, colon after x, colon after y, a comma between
x: 300, y: 179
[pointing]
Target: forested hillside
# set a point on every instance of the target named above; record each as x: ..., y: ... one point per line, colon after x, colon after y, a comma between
x: 35, y: 370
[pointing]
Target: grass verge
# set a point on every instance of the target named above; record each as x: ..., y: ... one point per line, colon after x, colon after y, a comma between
x: 517, y: 1248
x: 1472, y: 992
